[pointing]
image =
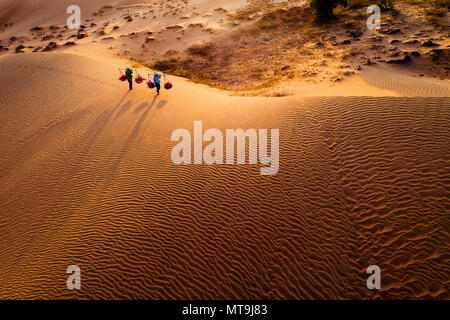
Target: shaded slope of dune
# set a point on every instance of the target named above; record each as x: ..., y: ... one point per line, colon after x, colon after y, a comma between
x: 86, y: 178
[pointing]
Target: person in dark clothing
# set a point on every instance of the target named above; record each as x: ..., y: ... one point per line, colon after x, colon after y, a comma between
x: 129, y: 74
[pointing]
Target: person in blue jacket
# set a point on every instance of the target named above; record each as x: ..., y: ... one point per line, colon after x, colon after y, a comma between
x: 157, y: 81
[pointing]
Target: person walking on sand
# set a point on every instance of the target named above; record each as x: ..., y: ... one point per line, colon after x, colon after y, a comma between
x: 129, y: 74
x: 157, y: 82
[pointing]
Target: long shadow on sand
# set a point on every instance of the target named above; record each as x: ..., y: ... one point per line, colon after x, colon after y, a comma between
x: 161, y: 104
x: 92, y: 133
x: 102, y: 120
x: 134, y: 133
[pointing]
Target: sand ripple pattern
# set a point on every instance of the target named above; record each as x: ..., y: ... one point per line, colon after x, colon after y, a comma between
x: 89, y: 182
x: 405, y: 85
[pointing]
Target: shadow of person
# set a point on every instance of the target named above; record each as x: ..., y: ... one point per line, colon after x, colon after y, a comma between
x: 95, y: 129
x: 130, y: 140
x: 103, y: 119
x: 140, y: 107
x: 124, y: 109
x: 161, y: 104
x: 121, y: 100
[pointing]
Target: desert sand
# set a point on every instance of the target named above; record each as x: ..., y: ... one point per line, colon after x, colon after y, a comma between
x: 86, y: 178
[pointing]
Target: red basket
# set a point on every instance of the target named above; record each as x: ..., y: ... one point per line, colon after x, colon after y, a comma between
x: 139, y: 79
x: 168, y: 85
x: 150, y: 84
x: 123, y: 78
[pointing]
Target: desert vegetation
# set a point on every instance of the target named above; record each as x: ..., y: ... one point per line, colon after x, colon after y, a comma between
x: 262, y: 43
x: 323, y: 41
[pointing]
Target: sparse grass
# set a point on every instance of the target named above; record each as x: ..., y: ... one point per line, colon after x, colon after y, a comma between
x: 164, y: 65
x: 174, y: 66
x: 442, y: 3
x: 136, y: 65
x: 356, y: 4
x: 352, y: 53
x: 435, y: 16
x: 439, y: 12
x: 351, y: 24
x: 200, y: 49
x: 182, y: 73
x: 268, y: 26
x: 283, y: 44
x: 386, y: 4
x: 279, y: 93
x: 349, y: 13
x: 355, y: 51
x: 435, y: 11
x: 414, y: 2
x: 254, y: 6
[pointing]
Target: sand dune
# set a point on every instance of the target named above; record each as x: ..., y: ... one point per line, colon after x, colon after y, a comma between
x: 86, y: 178
x: 29, y: 12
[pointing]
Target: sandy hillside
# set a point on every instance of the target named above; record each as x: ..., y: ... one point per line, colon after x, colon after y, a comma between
x: 86, y: 175
x: 252, y: 47
x: 86, y: 178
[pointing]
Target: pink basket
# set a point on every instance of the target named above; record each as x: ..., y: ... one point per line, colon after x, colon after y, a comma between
x: 139, y: 79
x: 123, y: 78
x: 150, y: 84
x: 168, y: 86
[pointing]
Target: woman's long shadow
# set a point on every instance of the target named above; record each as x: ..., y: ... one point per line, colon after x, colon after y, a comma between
x: 93, y: 132
x: 134, y: 133
x: 102, y: 120
x: 161, y: 104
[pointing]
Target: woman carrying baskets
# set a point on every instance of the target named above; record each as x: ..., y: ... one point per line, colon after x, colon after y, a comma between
x: 157, y: 82
x: 129, y: 74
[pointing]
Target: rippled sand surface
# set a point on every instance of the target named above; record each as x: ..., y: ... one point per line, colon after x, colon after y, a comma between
x: 86, y: 178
